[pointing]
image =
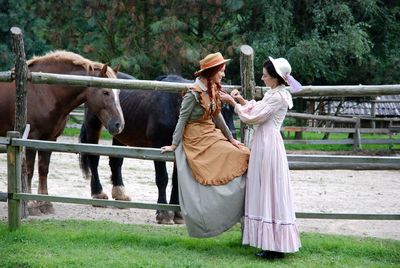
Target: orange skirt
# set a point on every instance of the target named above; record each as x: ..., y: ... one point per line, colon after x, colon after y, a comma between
x: 212, y: 158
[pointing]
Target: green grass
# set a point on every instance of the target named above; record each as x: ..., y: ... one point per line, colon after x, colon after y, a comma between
x: 74, y: 132
x: 50, y: 243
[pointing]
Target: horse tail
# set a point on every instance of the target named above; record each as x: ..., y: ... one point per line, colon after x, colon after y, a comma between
x: 84, y: 158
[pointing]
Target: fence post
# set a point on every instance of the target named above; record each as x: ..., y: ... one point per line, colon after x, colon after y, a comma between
x: 13, y: 181
x: 248, y: 87
x: 357, y: 135
x: 373, y: 112
x: 21, y: 77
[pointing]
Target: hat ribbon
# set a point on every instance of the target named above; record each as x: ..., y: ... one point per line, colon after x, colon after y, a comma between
x: 295, y: 85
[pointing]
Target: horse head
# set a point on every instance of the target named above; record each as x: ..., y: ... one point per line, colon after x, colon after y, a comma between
x: 105, y: 104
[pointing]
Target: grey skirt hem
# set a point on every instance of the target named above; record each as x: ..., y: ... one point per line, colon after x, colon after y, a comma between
x: 208, y: 210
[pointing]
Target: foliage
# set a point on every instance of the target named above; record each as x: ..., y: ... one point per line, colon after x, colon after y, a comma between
x: 21, y: 13
x: 327, y: 42
x: 50, y: 243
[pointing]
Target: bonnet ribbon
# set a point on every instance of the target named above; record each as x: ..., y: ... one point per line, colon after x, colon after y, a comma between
x: 295, y: 86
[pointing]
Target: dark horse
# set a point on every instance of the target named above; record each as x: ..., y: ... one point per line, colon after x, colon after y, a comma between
x: 150, y: 117
x: 48, y: 106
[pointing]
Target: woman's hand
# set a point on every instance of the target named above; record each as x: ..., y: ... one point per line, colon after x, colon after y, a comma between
x: 169, y: 148
x: 235, y: 142
x: 226, y: 98
x: 236, y: 94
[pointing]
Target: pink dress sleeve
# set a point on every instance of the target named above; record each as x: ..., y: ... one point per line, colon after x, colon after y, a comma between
x: 255, y: 113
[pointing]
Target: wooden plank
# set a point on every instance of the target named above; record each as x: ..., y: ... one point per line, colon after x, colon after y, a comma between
x: 5, y: 140
x: 14, y: 183
x: 76, y: 114
x: 26, y: 131
x: 367, y: 117
x: 95, y: 202
x: 338, y: 130
x: 78, y: 80
x: 340, y: 91
x: 320, y: 129
x: 347, y: 216
x: 347, y: 166
x: 380, y: 141
x: 76, y: 126
x: 395, y: 160
x: 7, y: 76
x: 119, y: 151
x: 322, y: 117
x: 3, y: 197
x: 344, y: 141
x: 140, y: 205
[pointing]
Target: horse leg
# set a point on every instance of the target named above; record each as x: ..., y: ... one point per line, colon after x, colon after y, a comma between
x: 178, y: 219
x: 43, y: 163
x: 163, y: 216
x: 32, y: 206
x: 30, y: 165
x: 118, y: 190
x: 95, y: 185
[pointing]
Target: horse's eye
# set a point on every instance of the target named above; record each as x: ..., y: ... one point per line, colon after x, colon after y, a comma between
x: 106, y: 93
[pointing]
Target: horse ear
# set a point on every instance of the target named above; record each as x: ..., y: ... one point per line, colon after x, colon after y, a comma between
x: 116, y: 68
x: 103, y: 72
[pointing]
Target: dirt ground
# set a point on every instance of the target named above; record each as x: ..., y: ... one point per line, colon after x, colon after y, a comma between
x: 336, y: 191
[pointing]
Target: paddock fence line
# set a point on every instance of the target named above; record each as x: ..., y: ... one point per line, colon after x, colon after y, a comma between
x: 356, y: 141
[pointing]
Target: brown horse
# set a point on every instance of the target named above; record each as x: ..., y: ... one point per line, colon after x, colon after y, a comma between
x: 48, y: 106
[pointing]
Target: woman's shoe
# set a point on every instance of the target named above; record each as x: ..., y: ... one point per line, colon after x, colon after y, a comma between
x: 276, y: 255
x: 270, y: 255
x: 262, y: 254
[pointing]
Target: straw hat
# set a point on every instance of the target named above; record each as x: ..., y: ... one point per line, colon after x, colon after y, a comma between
x: 211, y: 60
x: 282, y: 67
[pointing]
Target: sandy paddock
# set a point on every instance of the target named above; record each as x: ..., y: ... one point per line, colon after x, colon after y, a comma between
x: 336, y: 191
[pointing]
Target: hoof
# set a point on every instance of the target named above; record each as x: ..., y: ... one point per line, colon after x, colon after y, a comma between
x: 118, y: 193
x: 37, y: 208
x: 33, y: 208
x: 164, y: 217
x: 178, y: 218
x: 46, y: 208
x: 101, y: 195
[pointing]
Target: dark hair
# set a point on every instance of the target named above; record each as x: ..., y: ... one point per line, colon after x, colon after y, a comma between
x: 208, y: 73
x: 272, y: 72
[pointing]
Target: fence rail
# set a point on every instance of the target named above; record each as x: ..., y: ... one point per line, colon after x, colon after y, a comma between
x: 346, y: 162
x: 296, y: 161
x: 357, y: 141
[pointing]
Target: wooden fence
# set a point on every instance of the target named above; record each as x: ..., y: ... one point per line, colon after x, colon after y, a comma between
x: 15, y: 196
x: 15, y: 145
x: 356, y: 141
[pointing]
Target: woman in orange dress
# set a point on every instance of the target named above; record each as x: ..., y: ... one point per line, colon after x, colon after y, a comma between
x: 210, y: 162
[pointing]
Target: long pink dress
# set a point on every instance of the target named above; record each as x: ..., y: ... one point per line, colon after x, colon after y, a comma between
x: 270, y: 221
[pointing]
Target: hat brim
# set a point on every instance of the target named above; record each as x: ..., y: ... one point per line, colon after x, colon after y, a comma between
x: 276, y: 69
x: 217, y: 64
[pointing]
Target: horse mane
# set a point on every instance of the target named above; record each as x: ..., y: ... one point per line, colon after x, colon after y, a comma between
x: 70, y: 57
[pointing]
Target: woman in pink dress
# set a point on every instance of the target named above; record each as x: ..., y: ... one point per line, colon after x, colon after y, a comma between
x: 269, y: 220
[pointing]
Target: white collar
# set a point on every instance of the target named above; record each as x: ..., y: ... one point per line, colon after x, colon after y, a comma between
x: 284, y: 93
x: 200, y: 84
